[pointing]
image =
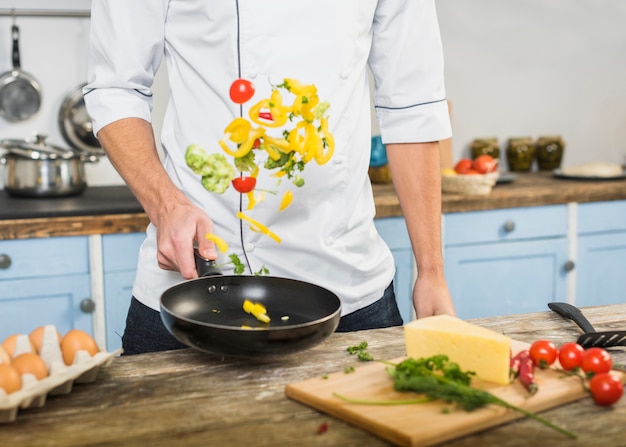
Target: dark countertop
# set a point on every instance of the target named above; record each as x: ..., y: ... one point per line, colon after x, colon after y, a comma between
x: 94, y: 201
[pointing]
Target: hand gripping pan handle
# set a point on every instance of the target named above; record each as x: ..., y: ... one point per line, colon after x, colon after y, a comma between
x: 591, y: 337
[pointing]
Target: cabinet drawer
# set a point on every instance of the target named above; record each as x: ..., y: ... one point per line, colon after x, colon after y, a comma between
x: 43, y: 257
x: 508, y: 224
x: 601, y: 217
x: 120, y: 251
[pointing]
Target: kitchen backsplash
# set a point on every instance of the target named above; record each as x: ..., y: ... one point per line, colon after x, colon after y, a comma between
x: 512, y: 69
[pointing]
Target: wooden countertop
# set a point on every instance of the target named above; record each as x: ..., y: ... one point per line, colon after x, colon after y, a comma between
x: 531, y: 189
x: 187, y: 398
x: 106, y: 210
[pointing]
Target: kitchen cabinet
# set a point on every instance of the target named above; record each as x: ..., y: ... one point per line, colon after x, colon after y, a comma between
x: 601, y: 253
x: 44, y: 281
x: 393, y: 231
x: 506, y: 261
x: 119, y: 255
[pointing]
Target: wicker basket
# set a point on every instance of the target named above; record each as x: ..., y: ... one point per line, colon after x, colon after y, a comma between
x: 470, y: 184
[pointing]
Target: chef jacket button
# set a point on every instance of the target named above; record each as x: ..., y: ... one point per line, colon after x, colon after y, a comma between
x: 330, y: 240
x: 249, y: 248
x: 344, y: 75
x: 252, y: 75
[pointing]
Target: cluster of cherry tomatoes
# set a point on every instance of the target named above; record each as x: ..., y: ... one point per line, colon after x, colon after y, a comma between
x: 595, y: 363
x: 483, y: 164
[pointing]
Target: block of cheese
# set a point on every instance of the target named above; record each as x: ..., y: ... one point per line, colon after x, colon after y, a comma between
x: 473, y: 347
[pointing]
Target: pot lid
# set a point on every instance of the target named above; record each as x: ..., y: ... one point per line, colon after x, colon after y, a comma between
x: 75, y: 124
x: 37, y: 149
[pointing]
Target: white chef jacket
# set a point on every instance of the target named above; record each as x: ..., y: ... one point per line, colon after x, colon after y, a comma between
x: 328, y: 233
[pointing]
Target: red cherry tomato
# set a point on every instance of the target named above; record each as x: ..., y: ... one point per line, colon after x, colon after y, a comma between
x: 241, y: 91
x: 484, y: 164
x: 606, y: 389
x: 570, y: 355
x: 463, y: 165
x: 244, y: 184
x: 596, y: 360
x: 543, y: 353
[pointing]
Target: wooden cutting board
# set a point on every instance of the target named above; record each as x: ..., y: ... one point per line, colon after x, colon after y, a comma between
x: 429, y: 423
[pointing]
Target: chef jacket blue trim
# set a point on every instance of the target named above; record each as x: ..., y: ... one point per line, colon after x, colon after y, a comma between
x: 138, y: 91
x: 412, y: 105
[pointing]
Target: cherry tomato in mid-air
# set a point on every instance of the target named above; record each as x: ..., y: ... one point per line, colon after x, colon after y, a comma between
x: 606, y: 389
x: 543, y: 353
x: 596, y: 360
x: 570, y: 355
x: 244, y: 184
x: 241, y: 90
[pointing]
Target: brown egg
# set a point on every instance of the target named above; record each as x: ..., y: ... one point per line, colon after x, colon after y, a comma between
x: 36, y: 337
x: 10, y: 379
x: 31, y: 363
x: 4, y: 355
x: 10, y: 344
x: 77, y: 340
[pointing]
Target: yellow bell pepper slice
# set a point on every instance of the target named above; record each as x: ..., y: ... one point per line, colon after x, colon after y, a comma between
x: 257, y: 309
x: 244, y: 147
x: 259, y: 226
x: 238, y: 130
x: 286, y: 200
x: 220, y: 243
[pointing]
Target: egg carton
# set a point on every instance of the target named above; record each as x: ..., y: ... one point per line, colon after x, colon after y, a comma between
x: 60, y: 380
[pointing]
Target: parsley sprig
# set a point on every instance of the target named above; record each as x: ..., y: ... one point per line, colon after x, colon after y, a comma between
x: 437, y: 378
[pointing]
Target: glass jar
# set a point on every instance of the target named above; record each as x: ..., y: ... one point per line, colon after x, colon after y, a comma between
x: 549, y: 152
x: 520, y: 153
x: 485, y: 146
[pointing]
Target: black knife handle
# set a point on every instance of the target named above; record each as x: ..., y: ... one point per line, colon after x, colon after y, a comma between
x: 573, y: 313
x: 205, y: 267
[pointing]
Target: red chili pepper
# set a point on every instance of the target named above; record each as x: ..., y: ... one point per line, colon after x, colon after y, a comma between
x: 256, y: 144
x: 266, y: 116
x: 527, y: 373
x: 516, y: 361
x: 323, y: 428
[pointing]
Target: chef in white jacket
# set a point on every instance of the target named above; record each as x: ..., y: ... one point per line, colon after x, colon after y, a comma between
x: 328, y: 233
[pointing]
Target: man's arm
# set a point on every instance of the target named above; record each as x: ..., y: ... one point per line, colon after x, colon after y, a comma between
x: 415, y: 169
x: 130, y: 146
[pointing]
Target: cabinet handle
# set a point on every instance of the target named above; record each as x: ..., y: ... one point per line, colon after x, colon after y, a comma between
x: 5, y: 261
x: 569, y: 266
x: 87, y: 305
x: 509, y: 226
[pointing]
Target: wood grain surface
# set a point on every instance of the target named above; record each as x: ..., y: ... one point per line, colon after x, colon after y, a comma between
x: 187, y: 398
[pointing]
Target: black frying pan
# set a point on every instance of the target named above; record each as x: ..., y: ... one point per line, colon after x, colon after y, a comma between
x: 207, y: 313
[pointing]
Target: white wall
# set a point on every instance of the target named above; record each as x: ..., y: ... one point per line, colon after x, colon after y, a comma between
x: 538, y: 67
x: 512, y: 68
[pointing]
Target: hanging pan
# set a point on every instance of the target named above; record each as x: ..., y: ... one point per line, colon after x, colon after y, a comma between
x: 207, y: 313
x: 20, y: 94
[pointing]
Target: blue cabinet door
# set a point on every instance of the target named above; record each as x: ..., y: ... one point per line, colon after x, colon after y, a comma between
x: 393, y: 231
x: 118, y: 291
x: 120, y: 252
x: 506, y: 278
x: 26, y: 304
x: 601, y: 269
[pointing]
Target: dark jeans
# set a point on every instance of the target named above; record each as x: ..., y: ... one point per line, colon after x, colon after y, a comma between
x: 145, y: 331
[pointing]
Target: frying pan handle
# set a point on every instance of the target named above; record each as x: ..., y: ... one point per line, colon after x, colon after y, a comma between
x: 573, y: 313
x: 205, y: 267
x: 15, y: 53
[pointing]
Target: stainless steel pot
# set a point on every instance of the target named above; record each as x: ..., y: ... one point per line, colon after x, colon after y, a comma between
x: 37, y: 169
